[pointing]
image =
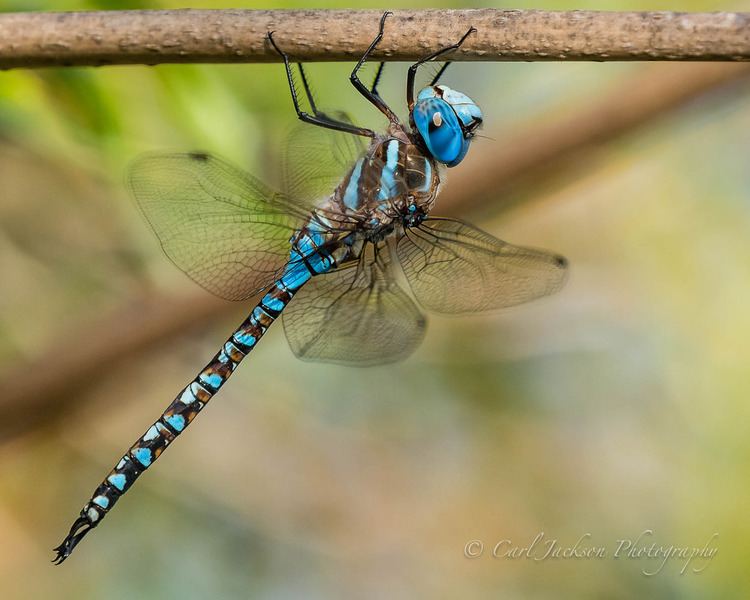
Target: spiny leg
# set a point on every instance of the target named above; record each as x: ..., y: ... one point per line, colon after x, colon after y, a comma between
x: 311, y: 100
x: 413, y: 69
x: 376, y: 81
x: 439, y: 74
x: 319, y: 119
x: 308, y: 91
x: 372, y: 94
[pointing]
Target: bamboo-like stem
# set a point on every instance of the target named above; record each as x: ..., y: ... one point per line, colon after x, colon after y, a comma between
x: 46, y: 39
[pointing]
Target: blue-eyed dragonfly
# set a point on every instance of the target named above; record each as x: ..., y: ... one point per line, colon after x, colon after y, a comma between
x: 334, y: 252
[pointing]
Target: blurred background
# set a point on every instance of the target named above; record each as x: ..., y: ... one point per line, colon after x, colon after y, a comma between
x: 616, y: 406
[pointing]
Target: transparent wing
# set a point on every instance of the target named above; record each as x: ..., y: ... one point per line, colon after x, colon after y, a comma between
x: 354, y: 316
x: 225, y: 229
x: 453, y: 267
x: 317, y: 159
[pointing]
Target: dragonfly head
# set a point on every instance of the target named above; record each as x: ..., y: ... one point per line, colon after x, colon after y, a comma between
x: 446, y: 121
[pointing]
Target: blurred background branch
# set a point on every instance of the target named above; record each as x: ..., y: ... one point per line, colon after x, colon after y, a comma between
x: 85, y: 354
x: 44, y: 39
x: 519, y: 163
x: 529, y: 154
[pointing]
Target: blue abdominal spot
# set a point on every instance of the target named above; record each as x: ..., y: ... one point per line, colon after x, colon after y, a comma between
x: 319, y: 262
x: 272, y: 303
x: 118, y: 480
x: 296, y: 274
x: 102, y: 501
x: 244, y: 338
x: 176, y: 421
x: 212, y: 379
x: 143, y: 456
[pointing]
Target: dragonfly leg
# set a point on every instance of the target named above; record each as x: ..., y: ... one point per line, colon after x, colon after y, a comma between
x: 319, y: 114
x: 308, y: 91
x: 413, y: 69
x: 376, y: 81
x: 317, y: 118
x: 372, y: 94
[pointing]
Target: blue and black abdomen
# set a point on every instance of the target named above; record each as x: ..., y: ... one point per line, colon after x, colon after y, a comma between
x: 189, y: 402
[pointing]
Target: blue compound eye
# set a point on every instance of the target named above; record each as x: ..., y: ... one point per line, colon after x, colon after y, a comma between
x: 441, y: 131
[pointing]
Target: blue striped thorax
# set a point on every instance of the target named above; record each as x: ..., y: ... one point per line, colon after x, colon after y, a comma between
x: 446, y: 121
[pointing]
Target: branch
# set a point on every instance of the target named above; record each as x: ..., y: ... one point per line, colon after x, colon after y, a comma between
x: 191, y: 36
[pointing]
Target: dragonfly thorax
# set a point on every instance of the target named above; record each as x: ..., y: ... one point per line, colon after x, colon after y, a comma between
x: 391, y: 187
x: 392, y: 180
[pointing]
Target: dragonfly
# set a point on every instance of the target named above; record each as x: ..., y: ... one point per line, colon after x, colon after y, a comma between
x: 325, y: 250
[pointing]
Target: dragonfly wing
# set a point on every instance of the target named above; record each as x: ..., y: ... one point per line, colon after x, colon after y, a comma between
x: 228, y: 231
x: 355, y: 316
x: 453, y: 268
x: 317, y: 159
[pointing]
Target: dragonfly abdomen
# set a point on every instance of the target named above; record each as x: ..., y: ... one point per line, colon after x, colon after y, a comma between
x: 189, y: 402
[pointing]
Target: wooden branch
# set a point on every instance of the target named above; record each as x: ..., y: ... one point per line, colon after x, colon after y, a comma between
x: 46, y: 39
x: 65, y: 370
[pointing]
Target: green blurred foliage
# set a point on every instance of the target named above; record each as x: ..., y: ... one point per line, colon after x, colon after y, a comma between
x: 619, y: 405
